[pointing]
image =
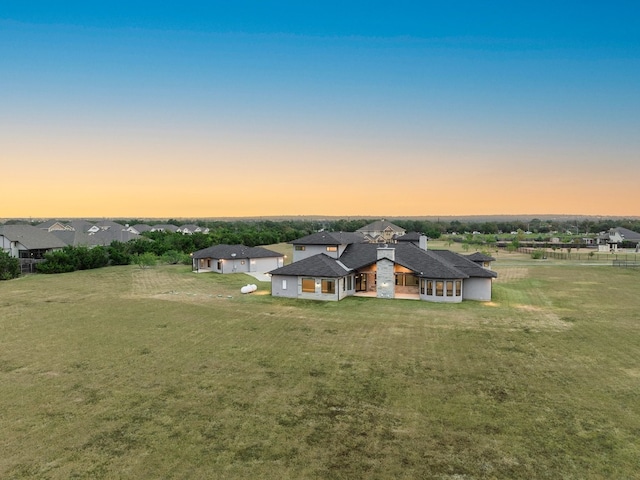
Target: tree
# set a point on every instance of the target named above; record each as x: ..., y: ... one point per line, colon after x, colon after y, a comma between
x: 9, y: 266
x: 145, y: 260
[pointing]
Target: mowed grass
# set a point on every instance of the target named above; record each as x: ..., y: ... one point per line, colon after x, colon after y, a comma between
x: 163, y: 373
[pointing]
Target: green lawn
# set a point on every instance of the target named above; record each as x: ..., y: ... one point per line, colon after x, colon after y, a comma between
x: 163, y: 373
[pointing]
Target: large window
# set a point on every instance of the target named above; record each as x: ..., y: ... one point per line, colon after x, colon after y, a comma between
x: 439, y: 288
x: 406, y: 280
x: 328, y: 285
x: 300, y: 248
x: 458, y: 288
x: 332, y: 249
x: 422, y: 282
x: 429, y: 287
x: 284, y: 284
x: 308, y: 285
x: 349, y: 282
x: 449, y: 288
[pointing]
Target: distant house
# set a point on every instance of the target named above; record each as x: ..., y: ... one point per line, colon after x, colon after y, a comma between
x: 28, y: 244
x: 190, y: 229
x: 236, y: 259
x: 616, y: 238
x: 381, y: 231
x: 164, y: 227
x: 332, y: 266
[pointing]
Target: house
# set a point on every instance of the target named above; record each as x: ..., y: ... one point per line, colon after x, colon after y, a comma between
x: 354, y: 265
x: 381, y: 231
x: 28, y: 244
x: 236, y: 259
x: 164, y: 227
x: 617, y: 237
x: 190, y: 229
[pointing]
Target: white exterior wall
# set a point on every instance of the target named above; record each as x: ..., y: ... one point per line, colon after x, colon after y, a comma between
x: 477, y: 289
x: 284, y: 286
x: 12, y: 248
x: 239, y: 265
x: 311, y: 250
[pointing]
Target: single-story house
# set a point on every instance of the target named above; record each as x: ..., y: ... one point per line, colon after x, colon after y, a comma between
x: 236, y: 259
x: 405, y: 269
x: 28, y: 244
x: 616, y: 238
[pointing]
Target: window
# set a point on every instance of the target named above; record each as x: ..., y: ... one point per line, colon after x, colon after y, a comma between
x: 449, y: 288
x: 300, y: 248
x: 328, y: 286
x: 429, y: 287
x: 422, y: 282
x: 308, y: 285
x: 439, y: 288
x: 410, y: 280
x: 219, y: 264
x: 242, y: 262
x: 284, y: 284
x: 458, y: 288
x: 332, y: 249
x: 349, y: 282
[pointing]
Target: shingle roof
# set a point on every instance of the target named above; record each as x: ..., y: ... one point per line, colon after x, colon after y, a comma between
x: 33, y: 238
x: 379, y: 226
x: 480, y: 257
x: 330, y: 238
x: 228, y: 252
x: 424, y: 263
x: 463, y: 264
x: 409, y: 237
x: 320, y: 265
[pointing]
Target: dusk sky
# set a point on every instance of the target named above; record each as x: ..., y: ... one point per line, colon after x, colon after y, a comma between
x: 261, y: 108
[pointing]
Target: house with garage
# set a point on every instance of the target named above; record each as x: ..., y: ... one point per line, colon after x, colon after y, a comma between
x: 334, y: 266
x: 28, y: 244
x: 236, y: 259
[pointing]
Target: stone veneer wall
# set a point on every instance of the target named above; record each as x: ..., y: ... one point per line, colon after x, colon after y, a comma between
x: 386, y: 275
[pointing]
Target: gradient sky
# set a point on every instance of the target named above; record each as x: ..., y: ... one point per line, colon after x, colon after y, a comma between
x: 259, y: 108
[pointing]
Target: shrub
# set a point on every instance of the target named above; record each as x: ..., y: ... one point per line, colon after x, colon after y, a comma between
x: 145, y: 260
x: 9, y: 266
x: 538, y: 254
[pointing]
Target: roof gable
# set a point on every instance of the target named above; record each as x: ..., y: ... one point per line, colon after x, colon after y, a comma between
x: 320, y: 265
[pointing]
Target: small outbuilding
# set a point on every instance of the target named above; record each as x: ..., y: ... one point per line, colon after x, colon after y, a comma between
x: 236, y: 259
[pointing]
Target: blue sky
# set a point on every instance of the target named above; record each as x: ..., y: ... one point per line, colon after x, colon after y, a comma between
x: 262, y: 108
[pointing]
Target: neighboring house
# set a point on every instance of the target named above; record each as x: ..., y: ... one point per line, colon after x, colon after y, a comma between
x: 28, y: 244
x: 54, y: 226
x: 616, y: 238
x: 106, y: 237
x: 190, y: 229
x: 481, y: 259
x: 236, y: 259
x: 381, y: 231
x: 406, y: 269
x: 139, y: 228
x: 164, y: 227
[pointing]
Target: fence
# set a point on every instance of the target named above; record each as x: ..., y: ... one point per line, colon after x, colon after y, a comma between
x: 629, y: 258
x: 626, y: 264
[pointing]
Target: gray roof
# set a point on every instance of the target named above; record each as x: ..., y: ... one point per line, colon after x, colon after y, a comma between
x: 229, y: 252
x: 141, y: 227
x: 379, y: 226
x: 32, y: 238
x: 106, y: 237
x: 165, y: 227
x: 480, y: 257
x: 409, y: 237
x: 320, y: 265
x: 424, y: 263
x: 73, y: 238
x: 462, y: 263
x: 330, y: 238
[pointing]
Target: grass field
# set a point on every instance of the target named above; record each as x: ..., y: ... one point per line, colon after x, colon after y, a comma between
x: 162, y: 373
